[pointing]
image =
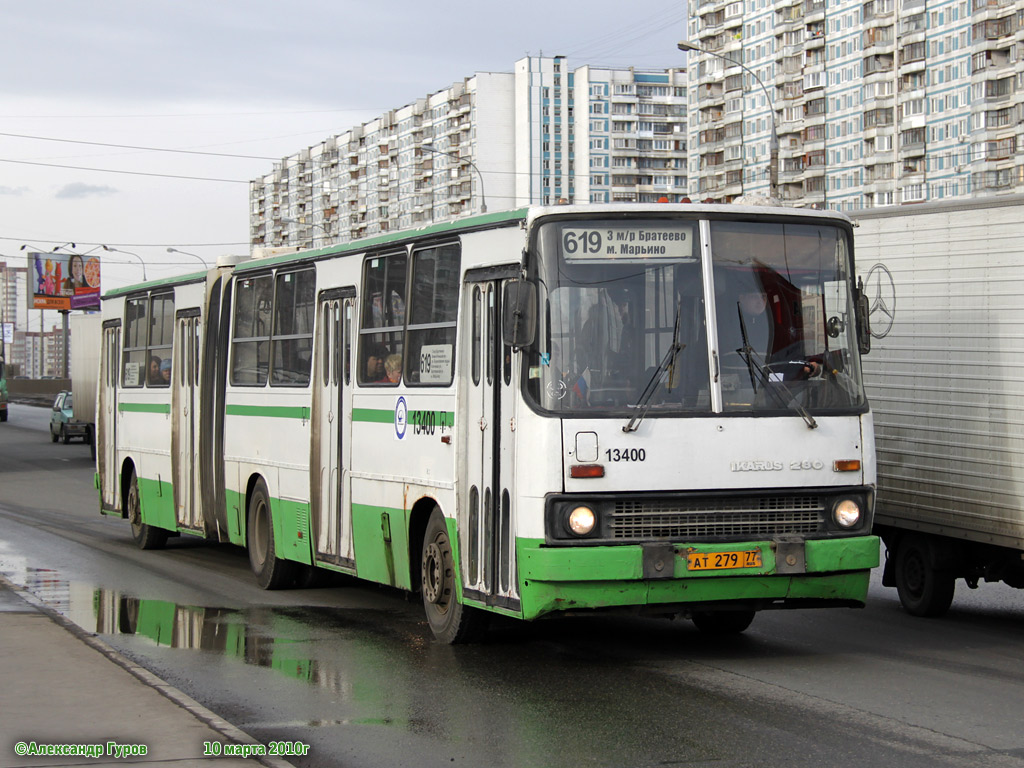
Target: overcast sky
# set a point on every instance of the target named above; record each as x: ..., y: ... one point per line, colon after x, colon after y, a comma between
x: 241, y: 77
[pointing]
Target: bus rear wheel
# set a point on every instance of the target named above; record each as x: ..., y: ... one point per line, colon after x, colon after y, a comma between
x: 450, y: 621
x: 271, y: 571
x: 146, y: 536
x: 722, y: 622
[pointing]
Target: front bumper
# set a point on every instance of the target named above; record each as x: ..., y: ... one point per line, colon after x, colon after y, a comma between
x: 817, y: 571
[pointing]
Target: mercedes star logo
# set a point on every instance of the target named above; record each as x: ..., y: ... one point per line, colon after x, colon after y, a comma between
x: 881, y: 292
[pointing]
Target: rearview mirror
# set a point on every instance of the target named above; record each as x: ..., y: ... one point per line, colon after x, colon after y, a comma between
x: 519, y: 313
x: 862, y: 309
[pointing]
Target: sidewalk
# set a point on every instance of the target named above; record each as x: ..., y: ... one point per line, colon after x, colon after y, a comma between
x: 60, y: 685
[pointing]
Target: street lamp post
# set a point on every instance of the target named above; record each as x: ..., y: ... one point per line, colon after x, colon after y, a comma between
x: 470, y: 163
x: 773, y: 149
x: 196, y: 255
x: 111, y: 249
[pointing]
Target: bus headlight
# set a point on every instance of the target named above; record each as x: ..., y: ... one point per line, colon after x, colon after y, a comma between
x: 581, y: 520
x: 846, y: 513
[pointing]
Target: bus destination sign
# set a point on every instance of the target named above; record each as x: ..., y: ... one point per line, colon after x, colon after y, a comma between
x: 633, y: 240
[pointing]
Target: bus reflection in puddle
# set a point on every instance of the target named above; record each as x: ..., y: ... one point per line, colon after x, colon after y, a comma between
x: 226, y: 631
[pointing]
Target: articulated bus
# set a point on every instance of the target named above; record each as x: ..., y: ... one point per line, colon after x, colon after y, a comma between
x: 550, y: 410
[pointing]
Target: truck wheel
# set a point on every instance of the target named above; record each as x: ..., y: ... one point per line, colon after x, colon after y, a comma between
x: 923, y: 590
x: 146, y: 536
x: 271, y: 571
x: 64, y: 436
x: 722, y: 622
x: 450, y: 621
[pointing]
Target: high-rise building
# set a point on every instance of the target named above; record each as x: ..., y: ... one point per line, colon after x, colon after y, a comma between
x: 875, y: 102
x: 495, y: 141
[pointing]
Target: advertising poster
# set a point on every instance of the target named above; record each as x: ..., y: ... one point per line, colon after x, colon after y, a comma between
x: 63, y: 281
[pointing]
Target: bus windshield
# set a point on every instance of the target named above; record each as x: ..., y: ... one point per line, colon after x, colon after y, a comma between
x: 634, y: 315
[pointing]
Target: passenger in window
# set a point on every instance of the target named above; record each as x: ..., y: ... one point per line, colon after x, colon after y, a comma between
x: 373, y: 370
x: 393, y: 368
x: 154, y: 377
x: 165, y: 372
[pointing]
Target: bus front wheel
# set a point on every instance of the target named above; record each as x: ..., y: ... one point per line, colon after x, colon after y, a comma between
x: 271, y: 571
x: 450, y: 621
x: 146, y: 536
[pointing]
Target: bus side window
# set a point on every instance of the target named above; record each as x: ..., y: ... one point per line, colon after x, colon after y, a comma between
x: 347, y: 335
x: 161, y: 337
x: 433, y: 309
x: 383, y: 322
x: 292, y: 338
x: 134, y: 358
x: 250, y: 331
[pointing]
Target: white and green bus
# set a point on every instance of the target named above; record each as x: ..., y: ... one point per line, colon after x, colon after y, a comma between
x: 561, y: 409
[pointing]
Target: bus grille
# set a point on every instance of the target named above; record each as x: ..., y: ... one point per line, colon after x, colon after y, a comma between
x: 691, y: 519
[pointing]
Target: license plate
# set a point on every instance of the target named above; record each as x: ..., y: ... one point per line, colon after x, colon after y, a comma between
x: 720, y: 561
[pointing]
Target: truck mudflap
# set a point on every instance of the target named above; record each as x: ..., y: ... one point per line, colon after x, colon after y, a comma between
x: 774, y: 574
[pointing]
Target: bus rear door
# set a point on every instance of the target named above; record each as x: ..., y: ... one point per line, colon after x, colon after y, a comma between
x: 185, y: 433
x: 106, y: 417
x: 332, y: 526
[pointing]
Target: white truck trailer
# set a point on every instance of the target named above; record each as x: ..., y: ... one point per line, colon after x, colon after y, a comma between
x: 945, y: 378
x: 85, y: 366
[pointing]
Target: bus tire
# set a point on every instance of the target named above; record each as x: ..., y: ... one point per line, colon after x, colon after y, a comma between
x: 271, y: 571
x: 924, y: 590
x: 449, y: 620
x: 145, y: 536
x: 722, y: 622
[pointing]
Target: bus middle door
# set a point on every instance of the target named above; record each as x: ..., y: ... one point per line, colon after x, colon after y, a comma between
x: 184, y: 432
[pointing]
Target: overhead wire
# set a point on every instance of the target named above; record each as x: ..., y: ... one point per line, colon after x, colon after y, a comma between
x: 136, y: 147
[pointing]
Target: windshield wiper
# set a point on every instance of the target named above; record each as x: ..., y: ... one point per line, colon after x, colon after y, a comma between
x: 757, y: 371
x: 644, y: 403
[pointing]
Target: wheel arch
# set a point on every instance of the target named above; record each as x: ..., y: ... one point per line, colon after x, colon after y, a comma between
x: 419, y: 516
x: 127, y: 468
x: 250, y: 486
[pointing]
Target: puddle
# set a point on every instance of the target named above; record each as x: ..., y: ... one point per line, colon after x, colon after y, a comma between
x: 340, y: 652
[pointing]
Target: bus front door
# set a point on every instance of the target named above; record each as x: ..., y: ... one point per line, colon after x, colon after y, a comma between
x: 486, y: 518
x: 106, y: 418
x: 332, y: 526
x: 184, y: 433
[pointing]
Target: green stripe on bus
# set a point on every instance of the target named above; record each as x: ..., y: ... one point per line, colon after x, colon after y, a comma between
x: 373, y: 415
x: 144, y: 407
x: 269, y: 411
x: 424, y: 418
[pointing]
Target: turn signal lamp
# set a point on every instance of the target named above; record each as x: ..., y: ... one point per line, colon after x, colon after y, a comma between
x: 846, y: 465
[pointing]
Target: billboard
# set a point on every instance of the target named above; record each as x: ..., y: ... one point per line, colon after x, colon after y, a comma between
x: 63, y: 281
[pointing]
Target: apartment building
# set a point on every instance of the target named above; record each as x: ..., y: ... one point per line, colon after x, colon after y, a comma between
x: 495, y: 141
x: 875, y: 102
